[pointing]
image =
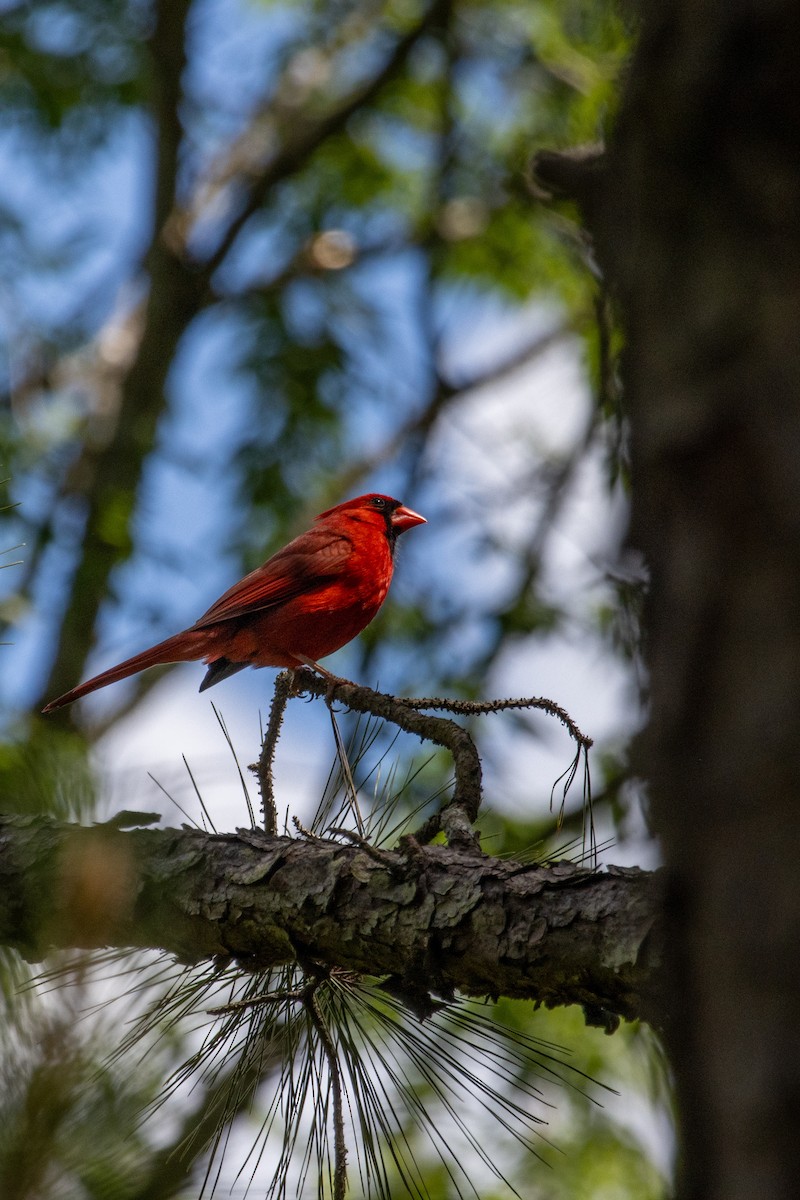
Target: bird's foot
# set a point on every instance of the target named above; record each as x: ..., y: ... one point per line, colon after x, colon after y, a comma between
x: 315, y: 666
x: 334, y: 681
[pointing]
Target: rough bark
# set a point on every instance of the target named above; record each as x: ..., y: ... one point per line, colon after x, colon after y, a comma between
x: 433, y: 918
x: 698, y: 231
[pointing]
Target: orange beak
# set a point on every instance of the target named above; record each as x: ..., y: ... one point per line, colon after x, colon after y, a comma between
x: 405, y: 518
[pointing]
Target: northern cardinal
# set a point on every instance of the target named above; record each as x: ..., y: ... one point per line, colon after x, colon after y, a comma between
x: 308, y: 600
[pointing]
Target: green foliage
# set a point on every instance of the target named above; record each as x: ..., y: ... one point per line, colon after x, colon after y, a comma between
x: 68, y: 1123
x: 600, y: 1151
x: 46, y: 773
x: 68, y: 68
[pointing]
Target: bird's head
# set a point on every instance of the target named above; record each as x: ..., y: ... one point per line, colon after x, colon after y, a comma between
x: 376, y: 509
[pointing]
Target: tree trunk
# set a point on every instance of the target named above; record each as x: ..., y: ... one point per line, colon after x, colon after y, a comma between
x: 698, y: 229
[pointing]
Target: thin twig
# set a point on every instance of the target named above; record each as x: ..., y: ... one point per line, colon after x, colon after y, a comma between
x: 256, y: 1001
x: 472, y: 708
x: 584, y: 744
x: 263, y: 768
x: 242, y: 780
x: 381, y: 856
x: 347, y: 774
x: 329, y: 1050
x: 306, y: 833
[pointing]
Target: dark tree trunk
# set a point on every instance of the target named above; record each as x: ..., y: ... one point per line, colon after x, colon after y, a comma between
x: 698, y: 229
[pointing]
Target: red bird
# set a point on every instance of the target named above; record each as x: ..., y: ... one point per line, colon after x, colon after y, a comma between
x: 308, y: 600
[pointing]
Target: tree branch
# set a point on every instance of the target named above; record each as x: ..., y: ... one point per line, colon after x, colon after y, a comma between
x: 307, y: 138
x: 107, y: 476
x: 433, y: 918
x: 458, y: 816
x: 577, y: 174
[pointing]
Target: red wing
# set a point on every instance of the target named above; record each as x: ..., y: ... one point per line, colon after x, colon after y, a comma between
x: 304, y: 565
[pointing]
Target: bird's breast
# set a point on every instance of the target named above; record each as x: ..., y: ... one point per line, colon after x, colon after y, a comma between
x: 320, y: 621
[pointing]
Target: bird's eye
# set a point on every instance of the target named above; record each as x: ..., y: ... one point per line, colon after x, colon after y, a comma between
x: 378, y: 502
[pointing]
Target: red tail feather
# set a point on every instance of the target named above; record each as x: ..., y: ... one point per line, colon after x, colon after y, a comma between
x: 181, y: 647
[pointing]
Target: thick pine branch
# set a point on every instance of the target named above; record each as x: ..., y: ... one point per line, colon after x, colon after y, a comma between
x: 433, y: 918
